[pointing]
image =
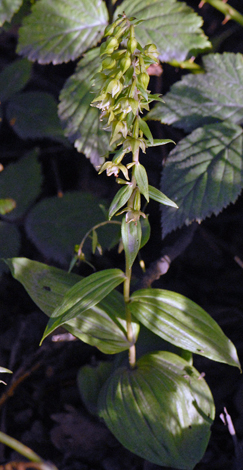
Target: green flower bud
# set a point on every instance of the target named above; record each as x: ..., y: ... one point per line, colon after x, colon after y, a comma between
x: 108, y: 63
x: 120, y: 29
x: 143, y: 80
x: 112, y: 42
x: 132, y: 45
x: 109, y: 29
x: 125, y: 63
x: 114, y: 87
x: 151, y: 49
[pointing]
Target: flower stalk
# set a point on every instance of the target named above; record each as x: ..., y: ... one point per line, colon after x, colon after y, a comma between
x: 122, y: 96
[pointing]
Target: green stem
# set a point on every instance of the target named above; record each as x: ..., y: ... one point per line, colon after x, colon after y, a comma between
x: 20, y: 448
x: 229, y: 12
x: 101, y: 224
x: 130, y: 335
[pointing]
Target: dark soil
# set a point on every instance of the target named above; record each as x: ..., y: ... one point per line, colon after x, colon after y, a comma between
x: 41, y: 405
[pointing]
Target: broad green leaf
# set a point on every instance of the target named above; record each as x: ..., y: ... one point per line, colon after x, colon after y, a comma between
x: 183, y: 323
x: 8, y: 8
x: 120, y: 199
x: 7, y: 205
x: 14, y: 77
x: 90, y: 381
x: 88, y: 292
x: 203, y: 174
x: 131, y: 238
x: 33, y: 115
x: 10, y: 243
x: 81, y: 121
x: 145, y: 129
x: 61, y: 30
x: 161, y: 410
x: 158, y: 196
x: 205, y: 98
x: 15, y: 178
x: 173, y: 26
x: 103, y: 326
x: 56, y: 225
x: 142, y: 180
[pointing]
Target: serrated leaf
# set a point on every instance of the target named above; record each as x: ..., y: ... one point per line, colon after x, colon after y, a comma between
x: 131, y: 238
x: 33, y: 115
x: 205, y: 98
x: 90, y: 381
x: 10, y: 243
x: 81, y: 121
x: 104, y: 326
x: 14, y: 178
x: 160, y: 410
x: 203, y: 174
x: 61, y: 30
x: 158, y: 196
x: 8, y: 8
x: 120, y: 199
x: 141, y: 177
x: 171, y: 25
x: 56, y: 225
x: 14, y: 77
x: 7, y: 205
x: 183, y: 323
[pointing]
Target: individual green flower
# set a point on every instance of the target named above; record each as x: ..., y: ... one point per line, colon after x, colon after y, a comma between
x: 114, y: 169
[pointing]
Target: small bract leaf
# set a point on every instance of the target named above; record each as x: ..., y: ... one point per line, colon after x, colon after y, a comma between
x: 183, y: 323
x: 61, y: 30
x: 158, y: 196
x: 159, y: 19
x: 157, y: 142
x: 145, y: 129
x: 103, y: 326
x: 203, y: 174
x: 141, y: 177
x: 161, y: 410
x: 3, y: 370
x: 131, y: 239
x: 120, y: 199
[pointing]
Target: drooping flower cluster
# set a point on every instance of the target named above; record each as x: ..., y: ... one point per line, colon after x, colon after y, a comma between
x: 122, y: 83
x: 122, y: 95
